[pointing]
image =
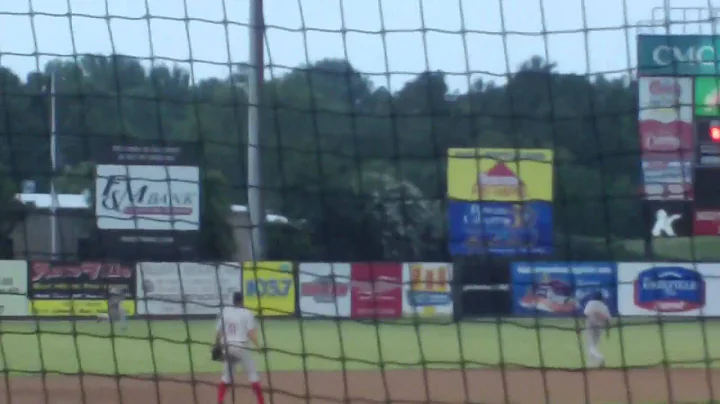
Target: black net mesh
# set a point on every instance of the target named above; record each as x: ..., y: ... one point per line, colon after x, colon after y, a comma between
x: 437, y: 189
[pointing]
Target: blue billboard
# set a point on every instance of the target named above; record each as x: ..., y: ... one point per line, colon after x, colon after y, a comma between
x: 669, y: 288
x: 502, y: 228
x: 561, y: 288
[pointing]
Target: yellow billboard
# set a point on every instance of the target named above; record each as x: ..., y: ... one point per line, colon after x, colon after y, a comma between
x: 429, y: 291
x: 269, y: 288
x: 500, y: 175
x: 75, y: 307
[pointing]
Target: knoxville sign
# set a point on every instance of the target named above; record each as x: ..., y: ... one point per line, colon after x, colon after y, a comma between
x: 690, y: 55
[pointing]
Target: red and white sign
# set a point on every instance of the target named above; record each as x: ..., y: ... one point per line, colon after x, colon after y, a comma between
x: 324, y: 289
x: 377, y: 290
x: 707, y: 223
x: 660, y: 98
x: 667, y: 140
x: 665, y: 116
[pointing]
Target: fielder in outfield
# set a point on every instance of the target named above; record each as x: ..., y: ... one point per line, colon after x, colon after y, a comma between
x: 116, y: 314
x: 235, y: 326
x: 598, y: 317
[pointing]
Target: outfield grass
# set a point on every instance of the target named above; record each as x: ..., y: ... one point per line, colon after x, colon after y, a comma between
x: 697, y: 248
x: 327, y: 345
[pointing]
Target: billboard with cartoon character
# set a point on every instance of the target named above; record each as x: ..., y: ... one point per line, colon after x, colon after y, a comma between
x: 500, y: 228
x: 561, y: 288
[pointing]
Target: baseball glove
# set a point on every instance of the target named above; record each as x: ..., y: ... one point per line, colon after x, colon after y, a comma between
x: 216, y: 353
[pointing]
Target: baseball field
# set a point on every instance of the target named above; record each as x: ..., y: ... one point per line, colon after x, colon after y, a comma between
x: 324, y: 361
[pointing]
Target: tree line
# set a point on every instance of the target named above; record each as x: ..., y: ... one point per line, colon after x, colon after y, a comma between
x: 358, y: 169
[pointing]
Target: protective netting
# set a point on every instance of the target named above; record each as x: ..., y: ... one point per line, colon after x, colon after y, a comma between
x: 439, y: 189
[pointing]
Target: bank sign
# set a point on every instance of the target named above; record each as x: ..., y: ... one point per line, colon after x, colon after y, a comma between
x: 678, y: 55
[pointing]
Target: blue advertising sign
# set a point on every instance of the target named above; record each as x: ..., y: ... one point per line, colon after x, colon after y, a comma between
x: 502, y: 228
x: 671, y: 288
x: 561, y: 288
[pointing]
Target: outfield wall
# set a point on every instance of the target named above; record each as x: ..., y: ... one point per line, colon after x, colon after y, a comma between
x: 169, y: 290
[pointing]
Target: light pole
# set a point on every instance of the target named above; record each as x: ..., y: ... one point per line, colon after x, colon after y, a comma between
x: 53, y: 161
x: 255, y: 82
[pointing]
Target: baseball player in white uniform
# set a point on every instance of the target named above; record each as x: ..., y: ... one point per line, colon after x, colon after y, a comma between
x: 598, y: 317
x: 235, y: 326
x: 116, y: 314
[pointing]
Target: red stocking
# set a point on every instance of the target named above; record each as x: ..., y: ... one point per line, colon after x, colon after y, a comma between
x: 257, y: 389
x: 222, y: 389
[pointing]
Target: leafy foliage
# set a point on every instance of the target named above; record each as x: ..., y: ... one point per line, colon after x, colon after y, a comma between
x: 363, y: 167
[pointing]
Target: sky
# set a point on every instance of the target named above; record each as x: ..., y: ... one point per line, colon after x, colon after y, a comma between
x: 467, y: 39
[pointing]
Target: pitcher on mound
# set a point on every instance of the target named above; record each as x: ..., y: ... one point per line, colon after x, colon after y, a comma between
x: 235, y: 326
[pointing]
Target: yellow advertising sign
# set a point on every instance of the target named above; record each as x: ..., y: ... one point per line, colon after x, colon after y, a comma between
x: 269, y: 288
x: 75, y: 307
x: 429, y: 293
x: 500, y: 175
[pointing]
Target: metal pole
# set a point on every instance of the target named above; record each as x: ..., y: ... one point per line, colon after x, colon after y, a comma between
x: 255, y: 82
x: 666, y: 11
x: 53, y: 160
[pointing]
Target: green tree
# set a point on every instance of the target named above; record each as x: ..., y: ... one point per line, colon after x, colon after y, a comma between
x: 362, y: 166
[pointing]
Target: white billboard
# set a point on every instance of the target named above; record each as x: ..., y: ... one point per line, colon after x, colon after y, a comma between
x: 147, y: 197
x: 324, y: 289
x: 172, y: 288
x: 665, y: 99
x: 13, y: 288
x: 668, y: 289
x: 427, y: 289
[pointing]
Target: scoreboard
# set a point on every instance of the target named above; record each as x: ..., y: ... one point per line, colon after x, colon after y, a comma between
x: 707, y: 177
x: 679, y: 130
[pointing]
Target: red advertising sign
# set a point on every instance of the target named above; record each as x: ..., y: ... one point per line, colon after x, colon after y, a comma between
x: 707, y: 223
x: 78, y: 280
x: 670, y: 140
x: 376, y: 290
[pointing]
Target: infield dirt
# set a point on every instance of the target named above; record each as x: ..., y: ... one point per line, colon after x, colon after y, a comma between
x: 433, y: 386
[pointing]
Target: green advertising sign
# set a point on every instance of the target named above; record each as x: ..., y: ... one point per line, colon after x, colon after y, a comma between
x: 707, y: 96
x: 678, y: 55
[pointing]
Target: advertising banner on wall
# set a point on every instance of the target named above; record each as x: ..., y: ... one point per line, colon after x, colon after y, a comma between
x: 500, y: 175
x: 668, y: 180
x: 148, y: 197
x: 706, y: 223
x: 324, y: 289
x: 427, y: 289
x: 656, y: 94
x: 669, y: 289
x: 13, y: 288
x: 172, y: 288
x: 500, y: 228
x: 561, y: 288
x: 665, y: 118
x: 74, y: 308
x: 668, y: 219
x: 707, y: 96
x: 78, y: 281
x: 678, y: 55
x: 147, y: 201
x: 269, y: 288
x: 500, y: 201
x: 377, y: 290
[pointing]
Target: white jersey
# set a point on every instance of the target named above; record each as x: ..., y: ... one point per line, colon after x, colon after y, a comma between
x: 597, y: 313
x: 235, y: 323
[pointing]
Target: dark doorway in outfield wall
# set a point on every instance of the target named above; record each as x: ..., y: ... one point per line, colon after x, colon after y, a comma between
x: 483, y: 286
